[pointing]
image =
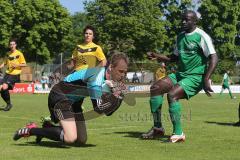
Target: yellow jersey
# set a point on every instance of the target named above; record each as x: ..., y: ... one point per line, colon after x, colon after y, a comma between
x: 15, y: 57
x: 160, y: 73
x: 87, y: 56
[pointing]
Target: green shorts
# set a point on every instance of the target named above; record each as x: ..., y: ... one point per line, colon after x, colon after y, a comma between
x: 225, y: 86
x: 191, y: 84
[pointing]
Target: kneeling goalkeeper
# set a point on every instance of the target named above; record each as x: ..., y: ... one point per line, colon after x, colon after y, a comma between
x: 65, y: 100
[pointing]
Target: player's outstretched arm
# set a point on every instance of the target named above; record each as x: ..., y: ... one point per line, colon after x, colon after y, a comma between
x: 163, y: 58
x: 213, y: 59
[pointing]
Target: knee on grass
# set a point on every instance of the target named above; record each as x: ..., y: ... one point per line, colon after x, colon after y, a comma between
x: 70, y: 138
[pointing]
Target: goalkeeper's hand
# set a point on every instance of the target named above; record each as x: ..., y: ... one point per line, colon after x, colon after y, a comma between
x: 119, y: 89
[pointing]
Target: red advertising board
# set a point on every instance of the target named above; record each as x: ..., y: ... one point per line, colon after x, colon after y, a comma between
x: 23, y: 88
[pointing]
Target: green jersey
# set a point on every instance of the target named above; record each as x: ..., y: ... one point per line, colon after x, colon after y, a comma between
x: 192, y: 50
x: 226, y: 79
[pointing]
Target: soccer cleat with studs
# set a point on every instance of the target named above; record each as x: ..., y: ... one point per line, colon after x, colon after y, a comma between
x: 24, y: 132
x: 177, y: 138
x: 8, y: 107
x: 154, y: 132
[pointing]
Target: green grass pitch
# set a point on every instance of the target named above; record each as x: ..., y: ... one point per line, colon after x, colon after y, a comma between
x: 207, y: 123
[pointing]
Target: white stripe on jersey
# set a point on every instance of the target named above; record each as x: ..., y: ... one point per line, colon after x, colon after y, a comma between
x: 206, y: 42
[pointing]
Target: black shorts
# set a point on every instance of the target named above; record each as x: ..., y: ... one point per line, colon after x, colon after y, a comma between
x: 61, y: 106
x: 10, y: 80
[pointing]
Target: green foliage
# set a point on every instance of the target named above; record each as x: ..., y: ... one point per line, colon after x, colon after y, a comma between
x: 144, y: 65
x: 6, y: 20
x: 220, y: 19
x: 40, y: 27
x: 224, y: 65
x: 79, y: 21
x: 216, y: 78
x: 172, y: 12
x: 75, y: 36
x: 133, y: 27
x: 45, y: 29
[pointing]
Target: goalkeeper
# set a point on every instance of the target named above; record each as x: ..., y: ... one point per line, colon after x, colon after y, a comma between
x: 65, y: 101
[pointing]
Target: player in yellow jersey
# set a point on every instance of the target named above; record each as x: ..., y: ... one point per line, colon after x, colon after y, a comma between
x: 14, y: 62
x: 89, y: 64
x: 161, y: 72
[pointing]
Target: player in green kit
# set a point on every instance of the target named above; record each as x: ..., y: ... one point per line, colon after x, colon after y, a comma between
x: 225, y: 84
x: 196, y: 59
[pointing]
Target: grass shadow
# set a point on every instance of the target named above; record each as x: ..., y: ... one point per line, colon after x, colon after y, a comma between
x: 2, y: 108
x: 52, y: 144
x: 134, y: 134
x: 223, y: 123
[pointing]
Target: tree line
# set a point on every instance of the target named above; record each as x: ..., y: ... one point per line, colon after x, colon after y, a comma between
x: 45, y: 28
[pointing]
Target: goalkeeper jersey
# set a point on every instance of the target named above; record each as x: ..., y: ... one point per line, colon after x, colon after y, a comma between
x: 107, y: 104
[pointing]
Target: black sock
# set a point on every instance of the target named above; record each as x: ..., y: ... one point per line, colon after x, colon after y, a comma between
x: 6, y: 96
x: 53, y: 133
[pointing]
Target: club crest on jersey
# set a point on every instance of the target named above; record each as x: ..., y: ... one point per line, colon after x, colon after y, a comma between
x: 191, y: 46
